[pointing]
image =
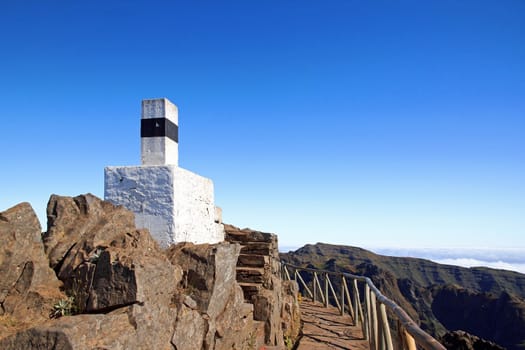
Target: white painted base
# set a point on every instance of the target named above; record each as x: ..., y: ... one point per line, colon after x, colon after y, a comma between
x: 174, y: 204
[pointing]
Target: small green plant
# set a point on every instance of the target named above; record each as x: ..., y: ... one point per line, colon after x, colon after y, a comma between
x: 95, y: 255
x: 288, y: 342
x: 63, y: 307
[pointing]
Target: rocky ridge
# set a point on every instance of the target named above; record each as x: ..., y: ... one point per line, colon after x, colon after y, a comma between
x: 115, y: 288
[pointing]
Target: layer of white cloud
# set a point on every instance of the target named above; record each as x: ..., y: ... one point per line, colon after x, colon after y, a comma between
x: 468, y: 262
x: 512, y: 259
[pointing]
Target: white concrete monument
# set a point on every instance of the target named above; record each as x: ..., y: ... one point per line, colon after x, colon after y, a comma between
x: 175, y: 204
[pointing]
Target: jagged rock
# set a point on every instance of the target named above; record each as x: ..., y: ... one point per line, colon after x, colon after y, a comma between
x: 267, y: 308
x: 190, y: 330
x: 209, y: 273
x: 226, y: 322
x: 460, y: 340
x: 290, y: 311
x: 107, y: 266
x: 233, y: 327
x: 93, y: 243
x: 28, y: 287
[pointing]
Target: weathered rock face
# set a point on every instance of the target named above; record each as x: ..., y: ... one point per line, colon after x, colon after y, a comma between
x: 127, y: 292
x: 214, y: 305
x: 290, y: 312
x: 480, y: 313
x: 107, y: 266
x: 28, y: 287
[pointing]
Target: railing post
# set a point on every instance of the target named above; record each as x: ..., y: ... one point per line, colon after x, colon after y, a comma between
x: 298, y: 275
x: 333, y: 292
x: 386, y: 327
x: 326, y: 290
x: 357, y: 305
x: 373, y: 319
x: 349, y: 302
x: 367, y: 317
x: 314, y: 280
x: 321, y: 293
x: 286, y: 272
x: 380, y: 330
x: 410, y: 342
x: 343, y: 284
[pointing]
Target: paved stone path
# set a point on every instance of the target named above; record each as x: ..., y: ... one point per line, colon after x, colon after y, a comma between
x: 325, y: 328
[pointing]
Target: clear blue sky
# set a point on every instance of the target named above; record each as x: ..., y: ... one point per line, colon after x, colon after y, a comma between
x: 368, y: 123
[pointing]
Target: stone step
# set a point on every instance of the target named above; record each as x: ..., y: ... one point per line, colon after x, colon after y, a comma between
x: 250, y: 275
x: 235, y: 235
x: 257, y: 248
x: 249, y: 260
x: 249, y: 290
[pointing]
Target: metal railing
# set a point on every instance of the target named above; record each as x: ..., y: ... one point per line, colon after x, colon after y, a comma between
x: 370, y: 312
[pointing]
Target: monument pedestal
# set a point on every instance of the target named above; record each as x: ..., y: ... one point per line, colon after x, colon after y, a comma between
x: 174, y: 204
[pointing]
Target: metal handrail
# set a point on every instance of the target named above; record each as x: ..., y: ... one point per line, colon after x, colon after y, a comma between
x: 373, y: 319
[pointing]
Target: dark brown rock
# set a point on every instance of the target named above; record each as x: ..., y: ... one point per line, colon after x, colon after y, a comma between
x: 28, y: 287
x: 107, y: 266
x: 98, y: 254
x: 460, y: 340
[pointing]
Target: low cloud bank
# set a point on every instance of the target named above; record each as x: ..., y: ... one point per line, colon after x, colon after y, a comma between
x: 502, y: 265
x: 512, y: 259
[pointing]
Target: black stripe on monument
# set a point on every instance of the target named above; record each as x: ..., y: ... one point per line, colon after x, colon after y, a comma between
x: 159, y: 127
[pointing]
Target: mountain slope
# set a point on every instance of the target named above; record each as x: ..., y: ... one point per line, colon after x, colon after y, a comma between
x: 486, y: 302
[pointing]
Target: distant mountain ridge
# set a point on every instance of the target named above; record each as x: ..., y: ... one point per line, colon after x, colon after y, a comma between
x: 486, y: 302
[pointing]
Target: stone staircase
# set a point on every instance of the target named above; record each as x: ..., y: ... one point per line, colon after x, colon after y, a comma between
x: 257, y: 262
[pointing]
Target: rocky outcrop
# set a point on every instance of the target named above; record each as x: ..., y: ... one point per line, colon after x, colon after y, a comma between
x: 460, y: 340
x: 109, y: 268
x: 93, y: 243
x: 481, y: 313
x: 121, y: 289
x: 28, y: 287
